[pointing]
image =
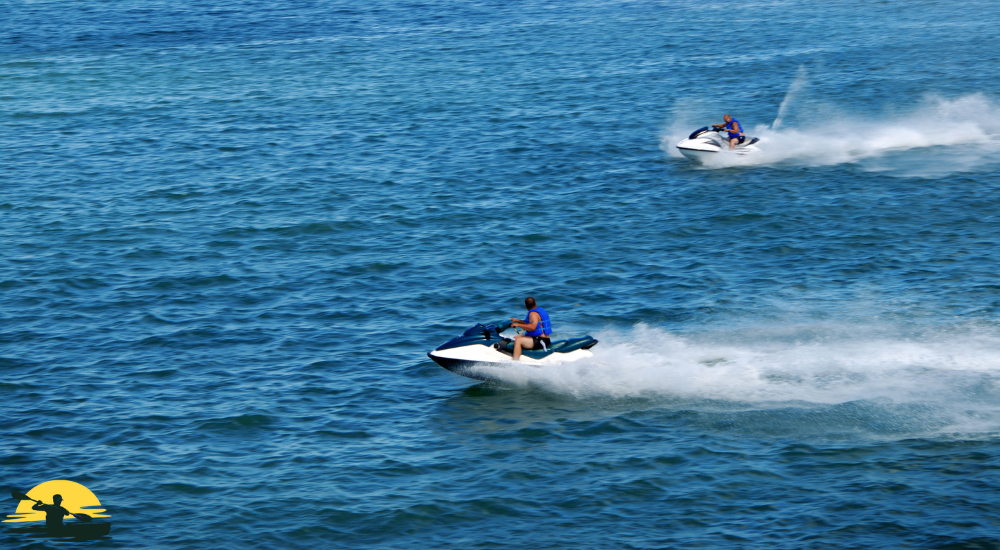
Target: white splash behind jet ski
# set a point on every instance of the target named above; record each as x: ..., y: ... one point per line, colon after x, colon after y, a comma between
x: 704, y: 143
x: 483, y: 345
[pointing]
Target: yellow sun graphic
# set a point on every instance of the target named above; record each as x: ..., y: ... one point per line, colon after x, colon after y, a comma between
x: 76, y: 497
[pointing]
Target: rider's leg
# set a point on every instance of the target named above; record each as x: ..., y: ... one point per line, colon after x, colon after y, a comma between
x: 527, y: 342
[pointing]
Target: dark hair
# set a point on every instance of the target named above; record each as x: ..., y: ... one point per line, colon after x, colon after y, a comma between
x: 529, y: 302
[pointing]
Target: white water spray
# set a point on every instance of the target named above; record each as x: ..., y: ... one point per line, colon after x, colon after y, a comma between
x: 793, y: 91
x: 951, y: 376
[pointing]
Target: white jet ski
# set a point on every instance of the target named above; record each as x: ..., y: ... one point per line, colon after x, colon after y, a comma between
x: 483, y: 345
x: 705, y: 143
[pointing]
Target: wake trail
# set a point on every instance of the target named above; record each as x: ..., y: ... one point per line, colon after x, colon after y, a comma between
x: 952, y: 376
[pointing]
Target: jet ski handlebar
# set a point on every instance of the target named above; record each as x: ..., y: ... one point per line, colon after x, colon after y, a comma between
x: 703, y: 130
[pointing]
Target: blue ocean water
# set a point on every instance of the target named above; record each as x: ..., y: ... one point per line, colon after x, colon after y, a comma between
x: 232, y: 230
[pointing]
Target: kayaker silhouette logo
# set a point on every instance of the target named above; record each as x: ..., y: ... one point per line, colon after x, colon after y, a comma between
x: 47, y: 505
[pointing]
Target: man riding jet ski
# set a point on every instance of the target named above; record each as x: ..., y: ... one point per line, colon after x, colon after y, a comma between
x: 539, y: 329
x: 733, y: 128
x: 704, y: 144
x: 484, y: 345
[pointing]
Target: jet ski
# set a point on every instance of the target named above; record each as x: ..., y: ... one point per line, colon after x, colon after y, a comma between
x: 485, y: 345
x: 705, y: 143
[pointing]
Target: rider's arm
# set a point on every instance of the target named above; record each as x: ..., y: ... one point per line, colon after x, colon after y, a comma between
x: 534, y: 324
x: 517, y: 323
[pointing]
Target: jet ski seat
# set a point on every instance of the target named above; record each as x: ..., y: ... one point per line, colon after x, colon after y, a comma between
x: 506, y: 346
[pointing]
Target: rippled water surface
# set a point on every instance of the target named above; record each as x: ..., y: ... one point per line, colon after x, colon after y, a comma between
x: 232, y: 230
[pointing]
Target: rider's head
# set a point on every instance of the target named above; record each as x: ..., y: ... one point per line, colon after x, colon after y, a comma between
x: 727, y: 118
x: 529, y: 303
x: 57, y: 499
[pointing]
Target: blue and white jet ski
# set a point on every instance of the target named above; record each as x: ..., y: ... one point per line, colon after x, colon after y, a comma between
x: 483, y: 345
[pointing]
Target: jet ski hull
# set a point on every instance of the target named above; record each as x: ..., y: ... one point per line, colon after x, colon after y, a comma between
x: 697, y: 151
x: 481, y: 364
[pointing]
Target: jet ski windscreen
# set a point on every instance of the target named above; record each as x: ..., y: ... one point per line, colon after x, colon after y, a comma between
x: 698, y: 132
x: 492, y: 329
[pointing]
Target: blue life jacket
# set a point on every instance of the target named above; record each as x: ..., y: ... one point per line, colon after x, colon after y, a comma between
x: 729, y: 128
x: 542, y: 328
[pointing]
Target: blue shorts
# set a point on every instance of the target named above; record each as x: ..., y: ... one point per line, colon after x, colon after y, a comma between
x: 739, y: 137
